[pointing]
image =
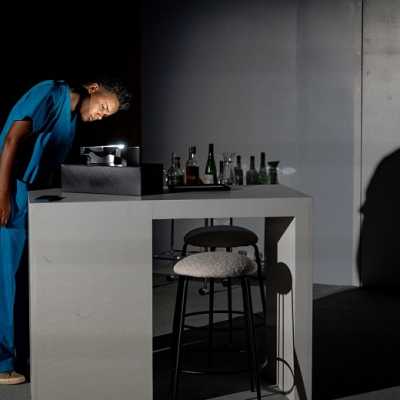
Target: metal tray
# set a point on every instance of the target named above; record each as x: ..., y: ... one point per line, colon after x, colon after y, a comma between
x: 197, y: 188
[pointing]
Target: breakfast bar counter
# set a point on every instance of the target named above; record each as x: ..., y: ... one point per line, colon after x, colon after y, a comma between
x: 91, y: 286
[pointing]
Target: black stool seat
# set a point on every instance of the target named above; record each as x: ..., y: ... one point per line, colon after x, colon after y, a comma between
x: 221, y: 236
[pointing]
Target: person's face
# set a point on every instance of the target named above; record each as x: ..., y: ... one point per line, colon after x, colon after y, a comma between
x: 99, y: 104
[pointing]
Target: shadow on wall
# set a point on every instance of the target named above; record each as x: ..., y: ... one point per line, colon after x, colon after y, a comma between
x: 356, y: 332
x: 378, y: 253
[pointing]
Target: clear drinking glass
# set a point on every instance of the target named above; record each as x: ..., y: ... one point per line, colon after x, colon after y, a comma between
x: 228, y: 176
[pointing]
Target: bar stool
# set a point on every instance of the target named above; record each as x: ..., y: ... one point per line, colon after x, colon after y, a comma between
x: 228, y: 237
x: 213, y: 266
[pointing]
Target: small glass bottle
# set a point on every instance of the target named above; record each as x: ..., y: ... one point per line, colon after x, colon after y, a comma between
x: 210, y: 173
x: 231, y: 172
x: 180, y: 176
x: 171, y: 171
x: 251, y: 174
x: 175, y: 174
x: 238, y: 171
x: 262, y: 174
x: 165, y: 179
x: 192, y: 168
x: 221, y: 172
x: 273, y: 172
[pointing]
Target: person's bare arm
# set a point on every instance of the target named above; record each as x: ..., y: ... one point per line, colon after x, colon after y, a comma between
x: 18, y: 130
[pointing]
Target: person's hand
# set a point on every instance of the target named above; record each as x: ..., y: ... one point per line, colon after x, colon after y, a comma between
x: 5, y: 208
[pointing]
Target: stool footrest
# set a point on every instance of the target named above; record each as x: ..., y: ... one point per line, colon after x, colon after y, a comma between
x: 204, y: 328
x: 215, y: 312
x: 236, y: 312
x: 215, y: 329
x: 214, y: 372
x: 232, y: 350
x: 171, y: 255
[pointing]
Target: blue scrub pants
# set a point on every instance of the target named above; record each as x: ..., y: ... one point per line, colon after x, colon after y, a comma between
x: 12, y: 243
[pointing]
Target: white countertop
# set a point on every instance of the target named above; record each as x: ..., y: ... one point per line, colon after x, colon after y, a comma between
x: 237, y: 192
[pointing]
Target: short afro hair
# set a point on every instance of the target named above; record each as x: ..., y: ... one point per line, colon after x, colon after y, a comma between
x: 116, y: 86
x: 113, y: 85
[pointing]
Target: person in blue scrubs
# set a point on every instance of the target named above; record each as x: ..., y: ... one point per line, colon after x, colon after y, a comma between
x: 45, y: 117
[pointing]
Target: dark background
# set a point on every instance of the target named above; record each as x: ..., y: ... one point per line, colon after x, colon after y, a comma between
x: 105, y: 44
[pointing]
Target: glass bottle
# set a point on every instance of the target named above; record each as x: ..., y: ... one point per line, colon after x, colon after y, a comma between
x: 273, y: 172
x: 221, y: 172
x: 231, y: 169
x: 179, y: 175
x: 192, y: 168
x: 171, y: 171
x: 165, y: 179
x: 228, y: 175
x: 262, y: 174
x: 251, y: 174
x: 238, y: 171
x: 175, y: 174
x: 210, y: 173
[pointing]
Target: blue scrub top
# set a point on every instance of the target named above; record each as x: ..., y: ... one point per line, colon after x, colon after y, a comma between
x: 48, y: 106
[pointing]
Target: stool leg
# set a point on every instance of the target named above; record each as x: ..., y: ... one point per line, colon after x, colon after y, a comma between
x: 230, y: 314
x: 260, y: 281
x: 230, y: 310
x: 250, y: 323
x: 175, y: 323
x: 172, y: 238
x: 184, y: 249
x: 247, y: 333
x: 179, y: 320
x: 211, y: 324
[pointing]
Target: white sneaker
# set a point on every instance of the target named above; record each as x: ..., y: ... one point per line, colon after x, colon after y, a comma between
x: 11, y: 378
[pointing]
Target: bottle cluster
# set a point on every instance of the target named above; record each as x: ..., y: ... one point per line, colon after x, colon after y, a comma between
x: 228, y: 173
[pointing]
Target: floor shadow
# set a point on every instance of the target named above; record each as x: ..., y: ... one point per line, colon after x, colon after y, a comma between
x: 356, y: 343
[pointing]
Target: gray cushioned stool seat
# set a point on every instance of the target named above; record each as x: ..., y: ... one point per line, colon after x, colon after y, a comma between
x: 215, y: 264
x: 221, y: 236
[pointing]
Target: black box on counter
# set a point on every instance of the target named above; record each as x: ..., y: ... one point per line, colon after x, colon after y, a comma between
x: 102, y: 179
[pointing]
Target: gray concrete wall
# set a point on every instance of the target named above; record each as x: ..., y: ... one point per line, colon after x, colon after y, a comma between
x: 273, y: 76
x: 327, y: 73
x: 221, y: 72
x: 381, y: 117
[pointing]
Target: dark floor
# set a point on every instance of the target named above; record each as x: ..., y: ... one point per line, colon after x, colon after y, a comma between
x: 228, y: 357
x: 195, y: 387
x: 356, y: 343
